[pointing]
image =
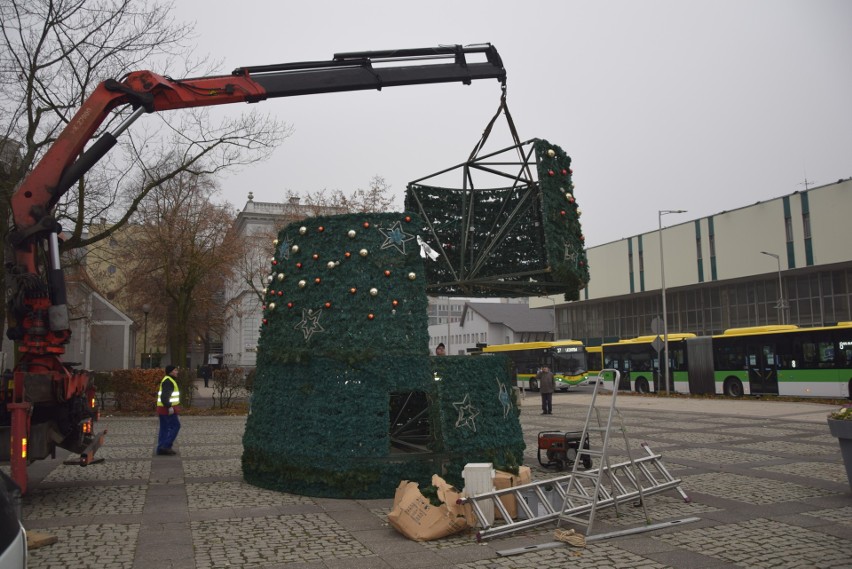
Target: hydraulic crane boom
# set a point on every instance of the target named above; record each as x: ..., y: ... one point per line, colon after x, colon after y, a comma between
x: 38, y: 306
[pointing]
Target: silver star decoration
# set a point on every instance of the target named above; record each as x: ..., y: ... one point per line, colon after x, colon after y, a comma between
x: 504, y: 398
x: 284, y: 249
x: 395, y: 237
x: 467, y: 413
x: 310, y: 323
x: 571, y: 253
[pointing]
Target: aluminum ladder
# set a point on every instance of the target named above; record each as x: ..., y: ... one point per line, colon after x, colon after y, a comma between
x: 570, y: 497
x: 539, y: 502
x: 586, y: 489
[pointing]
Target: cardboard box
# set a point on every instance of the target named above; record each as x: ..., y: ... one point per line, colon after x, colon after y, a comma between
x: 416, y: 518
x: 504, y: 480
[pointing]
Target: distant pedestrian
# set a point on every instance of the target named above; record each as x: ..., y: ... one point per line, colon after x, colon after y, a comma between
x: 168, y: 407
x: 546, y: 388
x: 441, y: 350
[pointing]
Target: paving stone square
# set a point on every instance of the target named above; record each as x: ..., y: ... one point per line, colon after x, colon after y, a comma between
x: 765, y: 543
x: 255, y: 542
x: 821, y: 470
x: 237, y: 494
x: 767, y: 488
x: 748, y: 489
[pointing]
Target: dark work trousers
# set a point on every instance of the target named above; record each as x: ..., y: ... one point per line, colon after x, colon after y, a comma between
x: 547, y: 403
x: 169, y: 427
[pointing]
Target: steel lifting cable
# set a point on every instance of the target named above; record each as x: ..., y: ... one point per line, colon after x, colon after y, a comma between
x: 503, y: 108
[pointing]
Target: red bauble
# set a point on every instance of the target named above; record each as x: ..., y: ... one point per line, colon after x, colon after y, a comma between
x: 395, y: 302
x: 366, y: 225
x: 320, y: 228
x: 315, y: 256
x: 298, y: 265
x: 353, y: 290
x: 264, y: 320
x: 387, y: 273
x: 289, y: 305
x: 274, y: 262
x: 318, y: 280
x: 564, y: 171
x: 328, y: 305
x: 280, y: 293
x: 347, y: 254
x: 551, y: 173
x: 562, y: 212
x: 370, y: 316
x: 408, y: 219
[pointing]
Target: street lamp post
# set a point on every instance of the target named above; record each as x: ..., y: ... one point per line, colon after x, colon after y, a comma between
x: 781, y: 303
x: 666, y: 384
x: 555, y: 328
x: 146, y: 308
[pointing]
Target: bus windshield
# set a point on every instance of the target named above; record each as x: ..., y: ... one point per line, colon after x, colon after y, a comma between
x: 569, y: 363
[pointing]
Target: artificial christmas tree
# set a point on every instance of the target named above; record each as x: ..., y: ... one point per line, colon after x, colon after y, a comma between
x: 348, y: 402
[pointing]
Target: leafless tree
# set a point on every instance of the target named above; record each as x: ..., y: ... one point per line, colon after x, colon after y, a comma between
x: 53, y: 53
x: 376, y: 198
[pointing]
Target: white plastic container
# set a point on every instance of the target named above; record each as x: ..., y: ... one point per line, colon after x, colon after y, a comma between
x: 479, y: 478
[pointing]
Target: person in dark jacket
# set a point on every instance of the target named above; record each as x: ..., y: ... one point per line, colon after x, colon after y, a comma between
x: 546, y: 388
x: 168, y: 408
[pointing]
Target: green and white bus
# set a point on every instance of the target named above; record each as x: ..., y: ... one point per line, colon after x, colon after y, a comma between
x: 639, y: 362
x: 760, y: 360
x: 566, y: 359
x: 784, y: 360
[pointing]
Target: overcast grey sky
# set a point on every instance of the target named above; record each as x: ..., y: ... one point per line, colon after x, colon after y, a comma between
x: 698, y: 105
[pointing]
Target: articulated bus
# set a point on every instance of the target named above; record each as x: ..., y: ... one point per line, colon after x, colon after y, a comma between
x: 784, y: 360
x: 565, y: 358
x: 639, y: 362
x: 771, y: 360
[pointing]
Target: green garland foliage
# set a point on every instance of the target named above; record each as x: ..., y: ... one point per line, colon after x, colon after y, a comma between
x: 564, y: 238
x: 523, y: 240
x: 347, y: 402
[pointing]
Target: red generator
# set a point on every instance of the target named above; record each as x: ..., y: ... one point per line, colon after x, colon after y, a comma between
x: 561, y: 449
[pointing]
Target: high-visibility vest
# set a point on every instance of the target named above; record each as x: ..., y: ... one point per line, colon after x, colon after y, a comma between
x: 175, y: 398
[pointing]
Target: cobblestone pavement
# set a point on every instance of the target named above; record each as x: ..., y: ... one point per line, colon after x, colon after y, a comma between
x: 768, y: 489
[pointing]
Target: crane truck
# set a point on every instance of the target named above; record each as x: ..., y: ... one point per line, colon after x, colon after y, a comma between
x: 46, y: 403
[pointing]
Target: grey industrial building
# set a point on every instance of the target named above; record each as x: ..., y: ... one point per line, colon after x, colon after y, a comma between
x: 721, y: 271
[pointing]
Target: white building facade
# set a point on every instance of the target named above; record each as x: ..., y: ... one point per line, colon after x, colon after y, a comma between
x: 259, y: 223
x: 486, y: 321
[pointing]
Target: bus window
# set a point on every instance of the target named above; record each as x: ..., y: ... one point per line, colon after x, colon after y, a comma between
x: 826, y: 354
x: 729, y: 357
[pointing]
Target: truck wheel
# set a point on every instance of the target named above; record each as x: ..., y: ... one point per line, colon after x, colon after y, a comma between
x: 733, y: 387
